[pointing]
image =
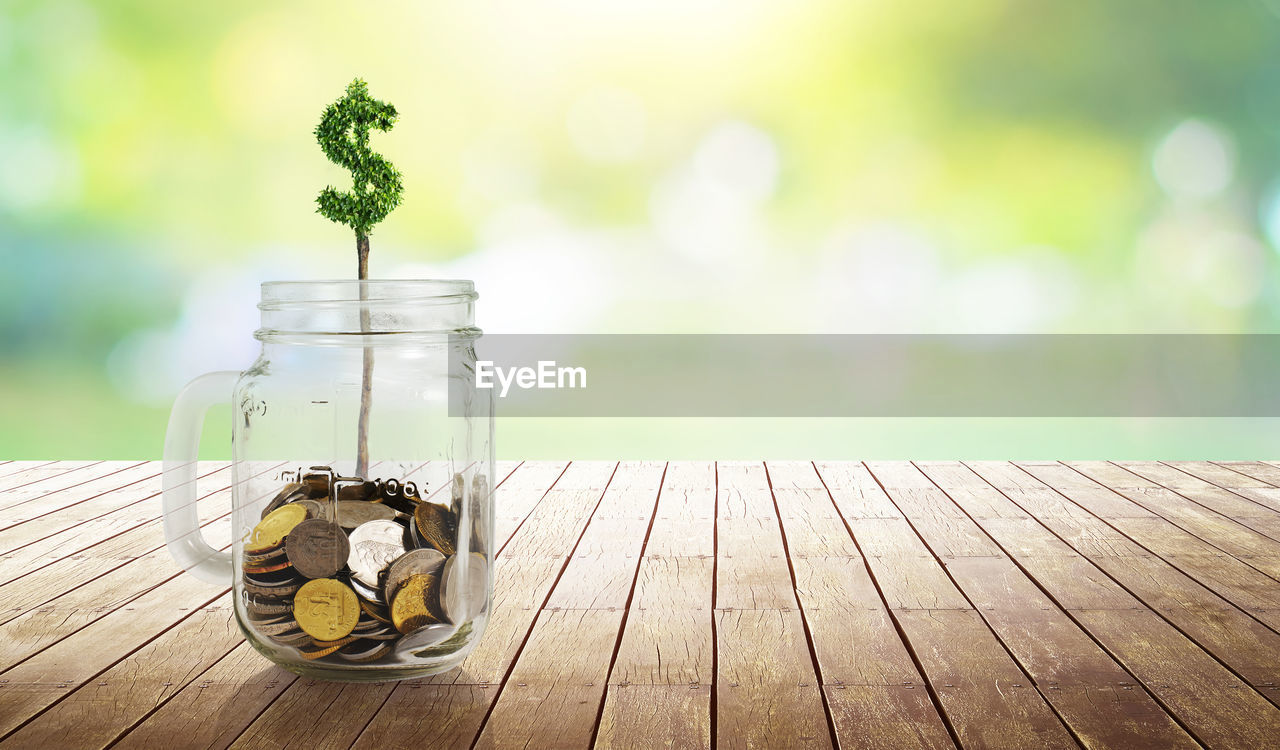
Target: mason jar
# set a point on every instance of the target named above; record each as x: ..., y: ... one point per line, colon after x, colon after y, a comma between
x: 362, y: 497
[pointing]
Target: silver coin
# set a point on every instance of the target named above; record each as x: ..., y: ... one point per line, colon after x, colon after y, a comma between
x: 425, y: 636
x: 322, y: 509
x: 374, y: 545
x: 283, y: 628
x: 351, y: 514
x: 365, y: 652
x: 459, y: 596
x: 368, y: 593
x: 416, y: 562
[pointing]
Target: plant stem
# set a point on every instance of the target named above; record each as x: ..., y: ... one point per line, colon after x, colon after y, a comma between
x: 366, y: 380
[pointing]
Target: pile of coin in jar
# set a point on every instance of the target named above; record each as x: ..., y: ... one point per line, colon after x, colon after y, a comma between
x: 359, y: 571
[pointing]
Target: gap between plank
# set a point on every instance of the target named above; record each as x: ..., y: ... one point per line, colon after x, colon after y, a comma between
x: 626, y: 610
x: 1030, y: 680
x: 1153, y: 553
x: 804, y: 618
x: 893, y: 618
x: 1124, y: 588
x: 528, y: 634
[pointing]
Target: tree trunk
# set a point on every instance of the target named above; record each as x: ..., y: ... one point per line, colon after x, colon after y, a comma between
x: 366, y: 380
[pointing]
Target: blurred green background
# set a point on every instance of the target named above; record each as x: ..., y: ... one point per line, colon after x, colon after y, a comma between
x: 639, y: 166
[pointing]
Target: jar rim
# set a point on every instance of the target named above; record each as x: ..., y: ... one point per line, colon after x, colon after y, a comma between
x: 287, y: 293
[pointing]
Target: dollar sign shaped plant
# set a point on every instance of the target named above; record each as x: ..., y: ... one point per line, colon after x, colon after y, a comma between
x: 343, y: 134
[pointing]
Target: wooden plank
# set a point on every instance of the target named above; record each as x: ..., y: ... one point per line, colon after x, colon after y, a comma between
x: 1218, y: 475
x: 990, y: 701
x: 22, y: 558
x: 602, y: 571
x: 98, y: 712
x: 554, y: 692
x: 1264, y: 472
x: 766, y: 691
x: 855, y: 491
x: 66, y: 594
x: 9, y: 468
x: 648, y: 716
x: 1046, y: 644
x: 1197, y: 614
x: 886, y: 716
x: 215, y: 707
x: 1211, y: 702
x: 837, y: 597
x: 39, y: 473
x: 668, y: 639
x: 46, y: 677
x: 63, y: 492
x: 973, y: 702
x: 1240, y: 583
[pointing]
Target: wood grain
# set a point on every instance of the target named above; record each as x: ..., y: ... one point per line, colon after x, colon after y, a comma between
x: 788, y: 604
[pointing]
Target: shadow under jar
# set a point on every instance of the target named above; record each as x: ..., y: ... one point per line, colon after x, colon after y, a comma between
x: 363, y: 472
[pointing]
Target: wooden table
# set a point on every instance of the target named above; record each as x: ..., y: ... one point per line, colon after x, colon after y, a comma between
x: 647, y: 605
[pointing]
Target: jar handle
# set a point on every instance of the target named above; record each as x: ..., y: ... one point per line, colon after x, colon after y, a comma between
x: 181, y: 449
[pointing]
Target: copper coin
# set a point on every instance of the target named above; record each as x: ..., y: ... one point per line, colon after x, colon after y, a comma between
x: 434, y: 524
x: 292, y: 491
x: 317, y: 548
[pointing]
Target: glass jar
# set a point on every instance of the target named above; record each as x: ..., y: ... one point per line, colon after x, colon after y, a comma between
x: 362, y: 497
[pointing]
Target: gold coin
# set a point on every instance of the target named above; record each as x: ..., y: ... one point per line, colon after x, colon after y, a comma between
x: 410, y: 610
x: 326, y: 608
x: 272, y: 530
x: 315, y: 652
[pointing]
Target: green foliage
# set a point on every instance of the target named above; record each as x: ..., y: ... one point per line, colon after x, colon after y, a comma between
x: 343, y: 134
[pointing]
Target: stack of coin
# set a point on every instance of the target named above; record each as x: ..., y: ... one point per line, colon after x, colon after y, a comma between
x: 360, y: 571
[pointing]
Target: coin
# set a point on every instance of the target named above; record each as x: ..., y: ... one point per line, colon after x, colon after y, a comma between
x: 353, y: 513
x: 340, y: 642
x: 435, y: 525
x: 270, y: 566
x: 291, y: 492
x: 321, y: 508
x: 373, y: 546
x: 316, y: 652
x: 318, y: 482
x: 411, y: 609
x: 367, y: 593
x: 317, y: 548
x: 262, y: 558
x: 271, y: 577
x: 272, y: 530
x: 277, y: 628
x: 365, y: 651
x: 267, y: 606
x: 460, y: 591
x: 376, y: 611
x: 282, y: 588
x: 293, y: 638
x: 326, y: 608
x: 479, y: 488
x: 416, y: 562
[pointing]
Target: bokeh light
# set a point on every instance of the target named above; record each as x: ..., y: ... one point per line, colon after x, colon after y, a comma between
x: 661, y: 166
